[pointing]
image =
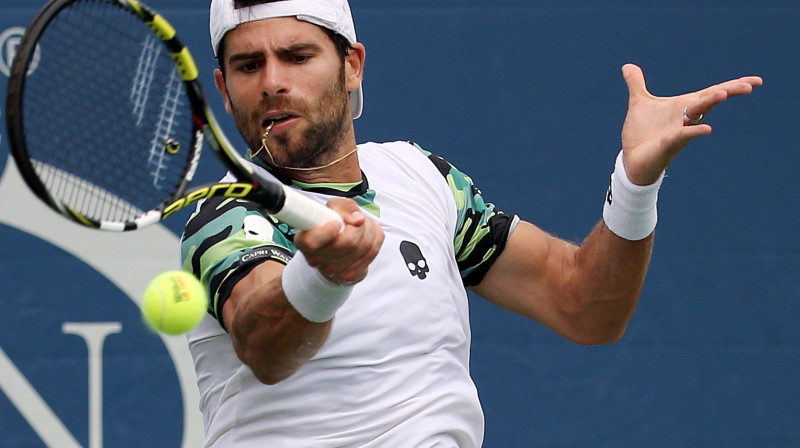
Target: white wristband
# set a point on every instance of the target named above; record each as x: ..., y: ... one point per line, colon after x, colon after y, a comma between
x: 310, y: 293
x: 630, y: 209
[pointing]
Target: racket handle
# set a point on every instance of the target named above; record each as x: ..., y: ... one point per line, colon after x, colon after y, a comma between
x: 303, y: 213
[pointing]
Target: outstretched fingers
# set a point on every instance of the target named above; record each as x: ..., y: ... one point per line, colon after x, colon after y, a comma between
x: 657, y: 128
x: 705, y: 100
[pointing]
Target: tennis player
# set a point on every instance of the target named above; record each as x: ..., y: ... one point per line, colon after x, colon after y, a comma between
x: 357, y: 335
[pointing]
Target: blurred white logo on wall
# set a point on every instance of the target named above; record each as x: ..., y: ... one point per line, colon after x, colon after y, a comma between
x: 9, y: 42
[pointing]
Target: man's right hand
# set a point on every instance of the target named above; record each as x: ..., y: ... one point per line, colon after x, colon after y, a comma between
x: 342, y: 255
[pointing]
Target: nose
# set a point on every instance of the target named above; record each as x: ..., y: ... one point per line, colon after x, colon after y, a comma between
x: 274, y: 80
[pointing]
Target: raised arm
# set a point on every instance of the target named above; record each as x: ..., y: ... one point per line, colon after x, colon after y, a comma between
x: 588, y: 292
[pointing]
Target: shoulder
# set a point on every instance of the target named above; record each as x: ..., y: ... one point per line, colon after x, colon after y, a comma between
x: 399, y: 148
x: 403, y: 153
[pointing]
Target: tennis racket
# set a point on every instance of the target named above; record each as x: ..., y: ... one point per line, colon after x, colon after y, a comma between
x: 107, y: 121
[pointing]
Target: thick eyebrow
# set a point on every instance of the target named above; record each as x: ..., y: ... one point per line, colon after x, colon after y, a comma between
x: 245, y: 57
x: 283, y: 51
x: 299, y: 48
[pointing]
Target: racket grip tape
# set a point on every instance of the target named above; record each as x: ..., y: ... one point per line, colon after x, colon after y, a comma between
x: 303, y: 213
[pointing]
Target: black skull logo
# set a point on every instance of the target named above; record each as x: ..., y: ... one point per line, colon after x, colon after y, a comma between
x: 415, y: 262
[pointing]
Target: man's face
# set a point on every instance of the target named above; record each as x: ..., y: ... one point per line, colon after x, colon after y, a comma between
x: 287, y: 73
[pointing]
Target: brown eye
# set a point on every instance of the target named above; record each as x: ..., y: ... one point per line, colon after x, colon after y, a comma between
x: 249, y: 67
x: 300, y: 58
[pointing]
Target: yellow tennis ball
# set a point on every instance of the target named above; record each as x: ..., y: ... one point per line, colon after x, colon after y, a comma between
x: 174, y: 302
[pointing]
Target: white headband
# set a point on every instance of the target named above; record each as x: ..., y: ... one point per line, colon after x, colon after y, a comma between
x: 334, y: 15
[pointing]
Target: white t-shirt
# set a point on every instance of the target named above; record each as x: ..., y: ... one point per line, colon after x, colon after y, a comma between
x: 395, y: 369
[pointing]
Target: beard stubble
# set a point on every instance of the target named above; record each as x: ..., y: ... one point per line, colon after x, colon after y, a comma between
x: 318, y: 143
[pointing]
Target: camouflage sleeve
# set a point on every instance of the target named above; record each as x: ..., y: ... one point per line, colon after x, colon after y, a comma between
x: 481, y: 230
x: 224, y: 239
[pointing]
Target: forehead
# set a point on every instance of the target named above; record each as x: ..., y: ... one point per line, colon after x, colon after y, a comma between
x: 274, y: 33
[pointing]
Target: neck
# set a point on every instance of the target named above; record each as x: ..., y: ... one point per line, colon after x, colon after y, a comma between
x: 343, y: 169
x: 322, y: 167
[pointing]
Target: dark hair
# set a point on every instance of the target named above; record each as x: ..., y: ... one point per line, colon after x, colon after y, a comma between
x: 340, y: 42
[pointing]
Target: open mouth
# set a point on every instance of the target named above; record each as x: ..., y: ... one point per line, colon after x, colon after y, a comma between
x: 272, y: 121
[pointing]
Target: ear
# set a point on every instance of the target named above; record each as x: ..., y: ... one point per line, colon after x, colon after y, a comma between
x: 354, y: 66
x: 219, y: 80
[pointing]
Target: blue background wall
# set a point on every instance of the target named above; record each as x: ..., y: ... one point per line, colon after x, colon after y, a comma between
x: 527, y: 97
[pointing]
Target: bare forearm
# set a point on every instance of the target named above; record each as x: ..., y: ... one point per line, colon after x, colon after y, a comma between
x: 269, y: 335
x: 585, y: 293
x: 276, y: 336
x: 609, y: 274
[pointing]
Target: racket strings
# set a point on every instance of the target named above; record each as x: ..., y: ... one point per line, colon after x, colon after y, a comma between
x: 107, y: 119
